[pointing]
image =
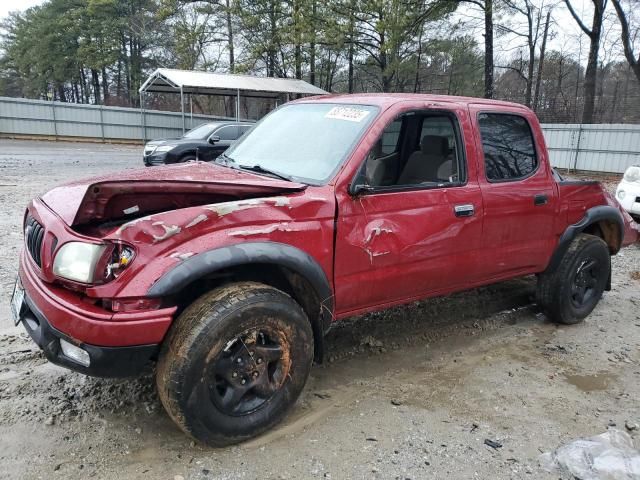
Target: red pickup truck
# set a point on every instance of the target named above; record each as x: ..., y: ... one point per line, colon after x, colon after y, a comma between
x: 229, y: 274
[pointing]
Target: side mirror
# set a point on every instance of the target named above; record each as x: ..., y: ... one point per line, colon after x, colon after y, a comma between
x: 214, y: 139
x: 360, y: 189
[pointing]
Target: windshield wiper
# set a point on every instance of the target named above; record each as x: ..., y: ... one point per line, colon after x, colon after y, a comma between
x: 259, y: 169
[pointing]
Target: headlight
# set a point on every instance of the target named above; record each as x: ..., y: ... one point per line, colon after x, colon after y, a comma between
x: 77, y: 261
x: 621, y: 194
x: 91, y: 263
x: 164, y: 148
x: 632, y: 174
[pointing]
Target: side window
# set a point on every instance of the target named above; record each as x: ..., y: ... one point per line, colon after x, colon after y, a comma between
x: 417, y: 148
x: 507, y: 143
x: 229, y: 132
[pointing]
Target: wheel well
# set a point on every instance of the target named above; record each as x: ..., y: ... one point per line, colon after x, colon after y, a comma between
x: 609, y: 231
x: 190, y: 153
x: 277, y: 276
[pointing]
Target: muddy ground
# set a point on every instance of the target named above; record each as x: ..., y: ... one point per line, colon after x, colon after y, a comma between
x: 409, y: 393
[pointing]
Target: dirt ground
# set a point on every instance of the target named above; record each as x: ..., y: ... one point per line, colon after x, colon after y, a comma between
x: 412, y: 392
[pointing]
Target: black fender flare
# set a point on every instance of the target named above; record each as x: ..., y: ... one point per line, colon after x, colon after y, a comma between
x: 591, y: 216
x: 273, y: 253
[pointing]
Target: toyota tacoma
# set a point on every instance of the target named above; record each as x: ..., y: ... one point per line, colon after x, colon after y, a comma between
x: 228, y: 275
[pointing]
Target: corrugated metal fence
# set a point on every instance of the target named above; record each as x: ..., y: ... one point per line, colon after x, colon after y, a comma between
x: 601, y: 148
x: 597, y: 148
x: 58, y: 119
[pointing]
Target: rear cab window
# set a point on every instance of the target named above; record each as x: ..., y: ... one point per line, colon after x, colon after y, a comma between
x: 508, y: 147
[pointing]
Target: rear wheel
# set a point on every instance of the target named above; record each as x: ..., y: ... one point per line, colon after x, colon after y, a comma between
x: 235, y: 361
x: 573, y: 290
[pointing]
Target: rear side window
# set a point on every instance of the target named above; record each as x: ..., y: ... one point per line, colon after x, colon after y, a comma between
x: 507, y: 142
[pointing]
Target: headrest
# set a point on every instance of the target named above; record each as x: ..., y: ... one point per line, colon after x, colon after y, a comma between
x: 434, y: 145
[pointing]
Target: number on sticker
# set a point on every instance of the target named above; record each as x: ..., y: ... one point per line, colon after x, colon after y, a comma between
x: 347, y: 113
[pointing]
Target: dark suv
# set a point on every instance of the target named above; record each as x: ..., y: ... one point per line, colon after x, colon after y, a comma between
x: 205, y: 142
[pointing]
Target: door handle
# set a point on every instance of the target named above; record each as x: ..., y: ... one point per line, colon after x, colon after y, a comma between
x: 540, y: 199
x: 464, y: 210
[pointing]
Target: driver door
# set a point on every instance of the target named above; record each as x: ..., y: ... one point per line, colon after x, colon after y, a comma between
x: 397, y: 242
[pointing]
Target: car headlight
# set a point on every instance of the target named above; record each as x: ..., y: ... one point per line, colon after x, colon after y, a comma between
x: 632, y: 174
x: 621, y: 194
x: 91, y: 263
x: 164, y: 148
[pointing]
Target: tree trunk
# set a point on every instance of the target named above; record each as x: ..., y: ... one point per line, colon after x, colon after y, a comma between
x: 61, y: 95
x: 232, y: 60
x: 627, y: 40
x: 350, y: 54
x: 312, y: 47
x: 488, y: 49
x: 416, y: 82
x: 76, y: 94
x: 543, y: 48
x: 105, y: 86
x: 95, y: 80
x: 590, y: 79
x: 591, y: 74
x: 532, y: 56
x: 297, y: 42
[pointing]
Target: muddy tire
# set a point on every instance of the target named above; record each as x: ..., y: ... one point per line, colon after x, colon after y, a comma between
x: 234, y: 362
x: 572, y: 291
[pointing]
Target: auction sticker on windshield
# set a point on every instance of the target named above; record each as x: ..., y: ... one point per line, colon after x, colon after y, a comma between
x: 347, y: 113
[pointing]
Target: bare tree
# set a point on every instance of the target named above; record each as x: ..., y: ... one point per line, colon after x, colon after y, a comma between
x: 543, y: 49
x: 487, y: 8
x: 594, y: 33
x: 634, y: 62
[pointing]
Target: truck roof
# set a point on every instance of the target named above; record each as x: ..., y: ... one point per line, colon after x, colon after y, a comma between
x: 385, y: 100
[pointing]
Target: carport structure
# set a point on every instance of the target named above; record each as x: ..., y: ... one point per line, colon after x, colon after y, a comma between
x: 188, y: 82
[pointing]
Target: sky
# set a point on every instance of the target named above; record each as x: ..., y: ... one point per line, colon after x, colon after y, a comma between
x: 7, y: 6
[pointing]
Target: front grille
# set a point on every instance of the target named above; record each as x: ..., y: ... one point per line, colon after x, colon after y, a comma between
x: 33, y: 236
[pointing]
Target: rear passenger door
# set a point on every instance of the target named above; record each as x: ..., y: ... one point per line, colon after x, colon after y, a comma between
x: 517, y: 191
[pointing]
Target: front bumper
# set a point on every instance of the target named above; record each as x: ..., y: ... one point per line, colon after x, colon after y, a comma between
x: 119, y: 344
x: 105, y: 361
x: 155, y: 159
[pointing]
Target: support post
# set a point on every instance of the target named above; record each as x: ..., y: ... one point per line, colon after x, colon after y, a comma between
x: 143, y: 118
x: 238, y: 106
x: 101, y: 123
x: 575, y: 161
x: 55, y: 122
x: 191, y: 110
x: 182, y: 108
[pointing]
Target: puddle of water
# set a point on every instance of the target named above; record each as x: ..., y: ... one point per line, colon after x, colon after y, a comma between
x: 591, y: 383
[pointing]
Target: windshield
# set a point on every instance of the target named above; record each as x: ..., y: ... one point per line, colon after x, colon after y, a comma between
x: 201, y: 131
x: 304, y: 141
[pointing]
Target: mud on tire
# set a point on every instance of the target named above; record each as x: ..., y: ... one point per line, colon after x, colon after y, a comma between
x: 571, y: 292
x: 234, y: 362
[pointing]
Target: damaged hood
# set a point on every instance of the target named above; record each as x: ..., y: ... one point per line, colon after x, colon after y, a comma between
x: 130, y: 194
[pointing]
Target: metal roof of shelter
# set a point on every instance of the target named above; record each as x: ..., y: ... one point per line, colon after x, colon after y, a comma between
x: 206, y: 83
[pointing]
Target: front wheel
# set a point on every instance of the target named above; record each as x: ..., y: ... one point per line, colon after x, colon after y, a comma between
x: 572, y: 291
x: 235, y: 361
